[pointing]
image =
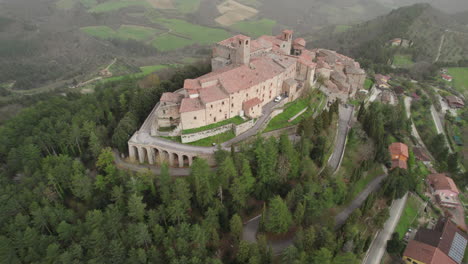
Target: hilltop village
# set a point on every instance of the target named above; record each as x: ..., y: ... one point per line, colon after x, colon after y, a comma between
x: 248, y: 74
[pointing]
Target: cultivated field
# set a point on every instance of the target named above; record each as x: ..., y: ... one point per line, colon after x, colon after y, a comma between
x: 255, y: 28
x: 161, y: 4
x: 182, y: 34
x: 233, y: 12
x: 139, y: 33
x: 460, y: 79
x: 116, y: 5
x: 402, y: 61
x: 65, y: 4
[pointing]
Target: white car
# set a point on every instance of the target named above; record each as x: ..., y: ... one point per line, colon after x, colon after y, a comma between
x: 277, y: 99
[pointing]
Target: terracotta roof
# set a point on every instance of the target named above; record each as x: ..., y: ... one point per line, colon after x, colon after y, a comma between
x: 251, y: 103
x: 440, y: 181
x: 446, y: 237
x: 426, y: 253
x: 448, y: 77
x: 172, y: 97
x: 454, y: 100
x: 275, y: 41
x: 211, y: 94
x: 399, y: 164
x: 260, y: 44
x: 233, y: 40
x: 245, y: 76
x: 190, y: 104
x: 399, y: 149
x: 300, y: 41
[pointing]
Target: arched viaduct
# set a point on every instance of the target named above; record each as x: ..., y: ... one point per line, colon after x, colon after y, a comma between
x: 143, y: 148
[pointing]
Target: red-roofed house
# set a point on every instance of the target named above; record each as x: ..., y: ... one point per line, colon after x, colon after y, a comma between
x: 444, y: 244
x: 447, y: 77
x: 444, y: 188
x: 399, y: 155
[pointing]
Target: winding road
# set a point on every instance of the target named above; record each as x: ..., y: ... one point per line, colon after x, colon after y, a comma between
x: 346, y: 113
x: 378, y: 246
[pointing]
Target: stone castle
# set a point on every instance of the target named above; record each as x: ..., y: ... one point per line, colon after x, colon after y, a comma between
x: 247, y: 75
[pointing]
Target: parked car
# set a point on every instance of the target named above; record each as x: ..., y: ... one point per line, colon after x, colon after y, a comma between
x: 277, y: 99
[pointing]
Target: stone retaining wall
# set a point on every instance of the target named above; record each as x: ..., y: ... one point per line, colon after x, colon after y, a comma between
x: 241, y: 128
x: 187, y: 138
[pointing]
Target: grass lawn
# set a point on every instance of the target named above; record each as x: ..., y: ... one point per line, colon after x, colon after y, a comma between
x: 341, y: 28
x: 235, y: 120
x: 368, y: 84
x: 207, y: 142
x: 460, y: 79
x: 189, y: 34
x: 293, y: 108
x: 255, y: 28
x: 187, y: 6
x: 116, y: 5
x: 168, y: 42
x: 408, y: 216
x: 218, y: 139
x: 139, y: 33
x: 402, y: 61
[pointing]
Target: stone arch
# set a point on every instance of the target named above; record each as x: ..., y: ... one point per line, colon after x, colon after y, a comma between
x: 174, y: 159
x: 185, y: 161
x: 156, y: 155
x: 164, y: 156
x: 142, y: 154
x: 134, y: 152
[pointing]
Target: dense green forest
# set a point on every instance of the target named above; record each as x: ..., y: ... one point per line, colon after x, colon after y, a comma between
x: 64, y: 201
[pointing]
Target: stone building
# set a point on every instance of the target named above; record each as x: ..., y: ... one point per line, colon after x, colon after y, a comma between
x: 247, y: 74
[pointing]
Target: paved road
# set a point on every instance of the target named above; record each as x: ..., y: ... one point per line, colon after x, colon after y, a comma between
x: 346, y: 114
x: 143, y: 135
x: 341, y: 218
x: 377, y: 248
x: 439, y: 126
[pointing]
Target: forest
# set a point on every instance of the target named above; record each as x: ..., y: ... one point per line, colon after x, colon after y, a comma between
x: 64, y: 200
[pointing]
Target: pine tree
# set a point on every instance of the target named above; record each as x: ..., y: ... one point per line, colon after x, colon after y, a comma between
x: 279, y: 218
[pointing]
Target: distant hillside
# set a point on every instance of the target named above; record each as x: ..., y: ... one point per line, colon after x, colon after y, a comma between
x: 420, y: 23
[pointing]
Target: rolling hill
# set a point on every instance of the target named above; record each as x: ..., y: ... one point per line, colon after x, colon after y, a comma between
x: 424, y: 25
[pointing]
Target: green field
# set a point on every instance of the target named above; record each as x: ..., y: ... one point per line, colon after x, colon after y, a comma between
x: 168, y: 42
x: 341, y: 28
x: 188, y: 34
x: 116, y: 5
x: 368, y: 84
x: 145, y: 70
x: 218, y: 139
x: 408, y: 217
x: 293, y: 108
x: 187, y: 6
x: 402, y: 61
x: 65, y: 4
x: 460, y: 79
x: 255, y: 28
x: 139, y: 33
x: 235, y: 120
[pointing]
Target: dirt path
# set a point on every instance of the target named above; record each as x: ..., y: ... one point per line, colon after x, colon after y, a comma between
x: 442, y: 40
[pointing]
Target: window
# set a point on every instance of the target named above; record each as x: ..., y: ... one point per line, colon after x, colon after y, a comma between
x: 225, y: 116
x: 164, y: 111
x: 194, y: 118
x: 222, y: 103
x: 214, y: 119
x: 232, y: 105
x: 246, y: 42
x: 211, y: 106
x: 220, y: 110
